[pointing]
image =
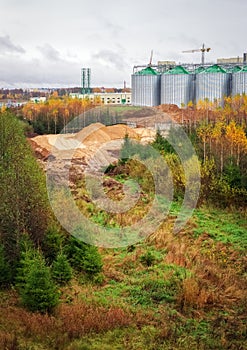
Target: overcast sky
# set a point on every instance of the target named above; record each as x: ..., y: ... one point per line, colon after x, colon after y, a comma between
x: 45, y: 43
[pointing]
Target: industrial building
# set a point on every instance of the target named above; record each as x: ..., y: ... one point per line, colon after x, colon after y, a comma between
x: 116, y: 98
x: 180, y: 84
x: 230, y: 60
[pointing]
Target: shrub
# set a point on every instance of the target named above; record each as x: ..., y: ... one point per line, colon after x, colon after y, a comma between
x: 147, y: 259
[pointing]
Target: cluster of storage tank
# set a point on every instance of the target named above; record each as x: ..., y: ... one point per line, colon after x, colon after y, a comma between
x: 179, y: 86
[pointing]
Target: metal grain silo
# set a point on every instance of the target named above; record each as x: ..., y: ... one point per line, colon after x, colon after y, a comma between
x: 239, y: 82
x: 176, y: 86
x: 146, y: 88
x: 213, y: 84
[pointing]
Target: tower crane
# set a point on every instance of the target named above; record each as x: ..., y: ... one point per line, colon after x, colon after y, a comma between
x: 202, y: 50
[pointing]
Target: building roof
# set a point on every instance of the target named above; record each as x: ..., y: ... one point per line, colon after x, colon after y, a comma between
x: 244, y: 69
x: 177, y: 70
x: 234, y: 69
x: 214, y: 69
x: 199, y: 69
x: 147, y: 71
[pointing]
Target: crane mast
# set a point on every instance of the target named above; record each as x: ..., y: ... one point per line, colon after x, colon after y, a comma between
x: 203, y: 49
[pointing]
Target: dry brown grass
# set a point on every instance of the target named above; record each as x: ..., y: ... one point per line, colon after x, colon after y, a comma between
x: 78, y: 320
x: 8, y: 341
x: 69, y: 322
x: 217, y: 269
x: 195, y: 295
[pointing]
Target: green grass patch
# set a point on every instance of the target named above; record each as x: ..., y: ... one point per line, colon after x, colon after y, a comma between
x: 222, y: 226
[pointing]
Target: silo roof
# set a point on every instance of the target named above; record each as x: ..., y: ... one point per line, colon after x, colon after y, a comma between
x: 215, y: 69
x: 199, y: 69
x: 177, y: 70
x: 147, y: 71
x: 234, y: 69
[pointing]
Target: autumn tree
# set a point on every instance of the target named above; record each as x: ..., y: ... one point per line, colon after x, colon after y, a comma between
x: 204, y: 131
x: 237, y: 139
x: 24, y: 203
x: 53, y: 115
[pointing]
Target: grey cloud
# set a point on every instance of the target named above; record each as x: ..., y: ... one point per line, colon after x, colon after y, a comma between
x: 115, y: 29
x: 49, y: 52
x: 7, y: 46
x: 36, y: 72
x: 110, y: 58
x: 91, y: 30
x: 19, y: 72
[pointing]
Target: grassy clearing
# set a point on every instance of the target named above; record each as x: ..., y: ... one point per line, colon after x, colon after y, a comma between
x: 225, y: 227
x: 184, y: 291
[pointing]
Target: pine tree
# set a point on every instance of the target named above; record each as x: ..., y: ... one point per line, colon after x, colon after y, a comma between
x: 39, y: 292
x: 92, y: 262
x: 28, y: 255
x: 84, y: 257
x: 52, y: 243
x: 61, y: 269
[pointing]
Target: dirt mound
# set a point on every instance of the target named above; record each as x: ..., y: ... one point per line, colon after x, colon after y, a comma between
x: 139, y: 112
x: 109, y: 133
x: 40, y: 151
x: 146, y: 135
x: 84, y: 144
x: 169, y: 108
x: 94, y: 133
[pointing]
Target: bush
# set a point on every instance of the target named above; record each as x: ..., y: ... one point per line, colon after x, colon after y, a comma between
x: 147, y: 259
x: 61, y: 269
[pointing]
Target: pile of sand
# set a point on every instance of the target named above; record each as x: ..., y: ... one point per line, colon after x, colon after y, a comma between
x: 104, y: 133
x: 85, y: 142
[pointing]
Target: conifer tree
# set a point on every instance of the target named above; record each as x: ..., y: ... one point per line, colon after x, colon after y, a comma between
x: 38, y: 292
x: 61, y: 269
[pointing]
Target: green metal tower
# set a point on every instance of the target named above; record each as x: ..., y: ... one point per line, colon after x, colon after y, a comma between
x: 85, y: 81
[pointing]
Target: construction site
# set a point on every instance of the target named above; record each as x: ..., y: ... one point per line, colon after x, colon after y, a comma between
x: 163, y: 95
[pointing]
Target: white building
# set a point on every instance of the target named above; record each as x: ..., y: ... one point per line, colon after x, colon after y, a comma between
x: 38, y: 99
x: 116, y: 98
